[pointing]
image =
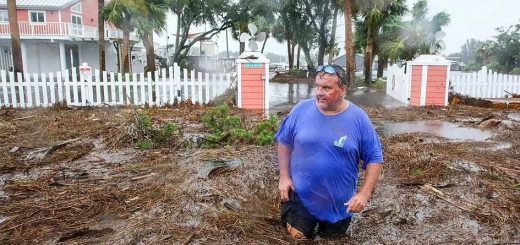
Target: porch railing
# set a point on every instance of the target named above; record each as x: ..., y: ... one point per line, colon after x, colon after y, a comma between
x: 59, y: 30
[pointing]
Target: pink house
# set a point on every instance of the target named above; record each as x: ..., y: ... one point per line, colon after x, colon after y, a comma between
x: 56, y: 35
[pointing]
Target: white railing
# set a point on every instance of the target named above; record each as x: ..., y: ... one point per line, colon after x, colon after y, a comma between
x: 60, y: 29
x: 101, y: 88
x: 484, y: 84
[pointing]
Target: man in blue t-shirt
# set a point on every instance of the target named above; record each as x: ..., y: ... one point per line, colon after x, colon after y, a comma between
x: 320, y: 145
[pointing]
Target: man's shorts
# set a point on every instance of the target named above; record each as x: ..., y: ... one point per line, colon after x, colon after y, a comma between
x: 295, y: 214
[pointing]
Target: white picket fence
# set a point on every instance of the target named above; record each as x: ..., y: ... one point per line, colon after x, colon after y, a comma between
x: 484, y: 84
x: 101, y: 88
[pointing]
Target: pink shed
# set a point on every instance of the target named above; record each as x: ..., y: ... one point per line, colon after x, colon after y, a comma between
x: 253, y: 76
x: 429, y: 81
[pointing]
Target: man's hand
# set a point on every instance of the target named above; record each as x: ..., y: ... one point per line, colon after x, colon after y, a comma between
x: 284, y: 185
x: 357, y: 203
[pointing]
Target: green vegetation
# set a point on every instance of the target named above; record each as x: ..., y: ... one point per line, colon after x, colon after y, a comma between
x: 225, y: 128
x: 149, y: 135
x: 380, y: 83
x: 418, y: 172
x: 500, y: 54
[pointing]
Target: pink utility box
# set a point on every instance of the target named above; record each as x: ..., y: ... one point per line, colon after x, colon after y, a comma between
x: 253, y: 82
x: 429, y: 80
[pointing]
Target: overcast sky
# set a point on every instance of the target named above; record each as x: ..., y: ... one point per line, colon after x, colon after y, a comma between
x: 469, y: 19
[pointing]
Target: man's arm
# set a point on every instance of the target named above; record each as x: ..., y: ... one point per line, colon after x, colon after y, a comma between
x: 358, y: 202
x: 284, y: 159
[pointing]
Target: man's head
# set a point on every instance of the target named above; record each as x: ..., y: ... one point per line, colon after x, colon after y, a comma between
x: 333, y: 70
x: 331, y: 87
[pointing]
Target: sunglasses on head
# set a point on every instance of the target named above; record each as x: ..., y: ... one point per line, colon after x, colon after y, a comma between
x: 331, y: 70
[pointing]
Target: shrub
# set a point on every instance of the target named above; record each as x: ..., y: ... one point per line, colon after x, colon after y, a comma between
x: 229, y: 129
x: 149, y: 136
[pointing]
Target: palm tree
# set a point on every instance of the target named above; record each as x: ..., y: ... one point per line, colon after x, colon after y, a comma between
x: 349, y: 46
x: 417, y: 35
x: 15, y: 37
x: 154, y: 19
x: 122, y: 14
x: 375, y: 12
x: 101, y: 35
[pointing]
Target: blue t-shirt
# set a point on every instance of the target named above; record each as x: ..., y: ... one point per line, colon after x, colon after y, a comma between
x: 326, y: 154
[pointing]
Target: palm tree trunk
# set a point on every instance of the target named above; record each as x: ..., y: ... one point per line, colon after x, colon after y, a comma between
x: 101, y: 36
x: 15, y: 37
x: 368, y: 55
x: 150, y: 52
x: 349, y: 46
x: 124, y: 51
x: 333, y: 34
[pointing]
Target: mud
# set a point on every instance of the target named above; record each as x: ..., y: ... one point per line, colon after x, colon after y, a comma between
x: 101, y: 189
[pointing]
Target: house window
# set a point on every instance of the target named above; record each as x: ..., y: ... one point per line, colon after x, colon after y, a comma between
x: 76, y: 8
x: 37, y: 16
x: 3, y: 16
x: 76, y: 19
x: 77, y: 25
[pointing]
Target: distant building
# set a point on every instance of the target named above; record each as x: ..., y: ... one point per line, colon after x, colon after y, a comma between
x: 341, y: 61
x: 57, y: 35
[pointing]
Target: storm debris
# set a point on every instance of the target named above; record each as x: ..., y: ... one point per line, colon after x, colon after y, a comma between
x: 101, y: 189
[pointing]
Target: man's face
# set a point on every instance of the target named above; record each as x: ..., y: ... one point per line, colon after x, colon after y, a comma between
x: 329, y: 94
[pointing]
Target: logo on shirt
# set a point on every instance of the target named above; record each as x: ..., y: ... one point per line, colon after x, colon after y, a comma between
x: 340, y: 142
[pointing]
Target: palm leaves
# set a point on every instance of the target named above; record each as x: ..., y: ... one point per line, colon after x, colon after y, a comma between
x: 145, y: 16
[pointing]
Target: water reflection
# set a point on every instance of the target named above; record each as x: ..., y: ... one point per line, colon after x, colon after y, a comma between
x: 439, y: 128
x: 283, y: 96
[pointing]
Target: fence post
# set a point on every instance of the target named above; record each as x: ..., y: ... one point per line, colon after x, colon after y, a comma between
x: 52, y: 87
x: 20, y: 90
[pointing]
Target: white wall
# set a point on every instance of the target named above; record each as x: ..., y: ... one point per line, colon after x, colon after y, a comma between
x: 89, y: 53
x: 43, y: 57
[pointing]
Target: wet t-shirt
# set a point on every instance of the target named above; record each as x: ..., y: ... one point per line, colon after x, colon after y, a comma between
x: 326, y: 154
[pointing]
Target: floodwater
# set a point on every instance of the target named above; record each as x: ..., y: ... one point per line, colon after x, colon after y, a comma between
x: 283, y: 96
x: 438, y: 128
x: 514, y: 116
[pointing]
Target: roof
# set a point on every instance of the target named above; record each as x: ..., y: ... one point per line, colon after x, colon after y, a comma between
x: 41, y: 4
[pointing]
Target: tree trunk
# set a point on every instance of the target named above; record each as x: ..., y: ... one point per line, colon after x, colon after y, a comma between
x: 323, y: 42
x: 263, y: 45
x: 349, y: 46
x: 101, y: 36
x: 289, y: 54
x: 125, y: 53
x: 308, y: 58
x: 179, y: 16
x: 118, y: 55
x: 381, y: 64
x: 333, y: 34
x: 298, y: 57
x: 368, y: 55
x: 293, y: 46
x: 15, y: 37
x: 242, y: 47
x: 150, y: 52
